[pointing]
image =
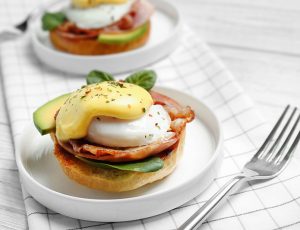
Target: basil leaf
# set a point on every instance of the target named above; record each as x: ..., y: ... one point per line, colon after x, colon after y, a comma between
x: 147, y: 165
x: 144, y: 78
x: 52, y: 20
x: 96, y: 76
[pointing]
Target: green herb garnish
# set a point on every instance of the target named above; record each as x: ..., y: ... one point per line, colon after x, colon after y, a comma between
x: 96, y: 76
x: 52, y: 20
x: 144, y: 78
x: 147, y: 165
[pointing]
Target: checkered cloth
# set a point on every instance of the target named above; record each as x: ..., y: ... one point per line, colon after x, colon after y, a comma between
x: 192, y: 68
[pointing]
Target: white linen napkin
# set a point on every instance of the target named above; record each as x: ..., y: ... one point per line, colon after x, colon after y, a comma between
x: 192, y: 68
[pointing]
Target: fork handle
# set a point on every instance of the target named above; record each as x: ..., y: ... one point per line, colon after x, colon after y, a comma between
x: 199, y: 216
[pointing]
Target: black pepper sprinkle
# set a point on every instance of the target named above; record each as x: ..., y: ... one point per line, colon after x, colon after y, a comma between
x: 144, y: 110
x: 117, y: 84
x: 129, y: 94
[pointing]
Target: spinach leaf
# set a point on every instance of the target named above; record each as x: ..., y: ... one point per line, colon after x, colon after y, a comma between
x: 144, y: 78
x: 52, y: 20
x: 96, y: 76
x: 147, y: 165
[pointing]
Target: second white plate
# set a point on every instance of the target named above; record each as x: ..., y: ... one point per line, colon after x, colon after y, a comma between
x: 164, y: 38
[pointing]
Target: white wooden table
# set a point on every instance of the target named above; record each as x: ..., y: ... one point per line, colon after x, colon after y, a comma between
x: 259, y: 40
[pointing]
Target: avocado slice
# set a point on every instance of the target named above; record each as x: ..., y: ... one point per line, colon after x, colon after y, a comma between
x: 122, y: 38
x: 43, y: 117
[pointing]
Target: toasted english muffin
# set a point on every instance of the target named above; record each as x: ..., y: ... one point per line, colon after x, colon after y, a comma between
x: 113, y: 180
x: 91, y: 46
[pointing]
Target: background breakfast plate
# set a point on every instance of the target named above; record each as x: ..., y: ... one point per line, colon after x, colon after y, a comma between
x: 201, y: 159
x: 164, y: 38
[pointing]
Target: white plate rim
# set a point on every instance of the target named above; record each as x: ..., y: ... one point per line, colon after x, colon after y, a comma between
x: 216, y: 154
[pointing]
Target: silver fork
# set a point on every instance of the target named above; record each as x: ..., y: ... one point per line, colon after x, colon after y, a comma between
x: 267, y: 163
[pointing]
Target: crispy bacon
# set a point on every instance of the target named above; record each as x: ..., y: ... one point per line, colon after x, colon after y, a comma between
x: 174, y: 109
x: 139, y: 14
x: 180, y: 116
x: 91, y: 151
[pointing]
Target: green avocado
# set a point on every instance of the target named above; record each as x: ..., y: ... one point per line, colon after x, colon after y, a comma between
x: 43, y: 117
x: 122, y: 38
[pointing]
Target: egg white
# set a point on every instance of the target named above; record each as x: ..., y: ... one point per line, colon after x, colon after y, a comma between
x: 99, y: 16
x: 151, y: 127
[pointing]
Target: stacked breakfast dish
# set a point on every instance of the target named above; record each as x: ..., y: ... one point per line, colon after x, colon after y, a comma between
x: 96, y: 27
x: 115, y: 135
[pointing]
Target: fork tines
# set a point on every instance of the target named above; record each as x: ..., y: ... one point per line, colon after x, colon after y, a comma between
x: 283, y: 139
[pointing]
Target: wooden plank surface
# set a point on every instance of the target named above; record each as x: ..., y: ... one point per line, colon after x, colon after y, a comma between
x: 266, y: 25
x: 259, y: 41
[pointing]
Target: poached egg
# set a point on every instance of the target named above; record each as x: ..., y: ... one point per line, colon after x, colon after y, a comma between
x: 98, y: 16
x: 114, y: 114
x: 151, y: 127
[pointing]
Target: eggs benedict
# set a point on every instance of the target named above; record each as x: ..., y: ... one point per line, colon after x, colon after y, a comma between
x: 116, y: 135
x: 99, y: 26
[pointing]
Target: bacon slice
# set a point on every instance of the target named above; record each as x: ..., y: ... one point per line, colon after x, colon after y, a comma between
x: 174, y: 109
x: 178, y: 125
x: 139, y: 14
x: 180, y: 116
x: 79, y: 148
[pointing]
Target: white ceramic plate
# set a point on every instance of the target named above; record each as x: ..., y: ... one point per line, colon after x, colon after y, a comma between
x: 164, y: 38
x: 201, y: 159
